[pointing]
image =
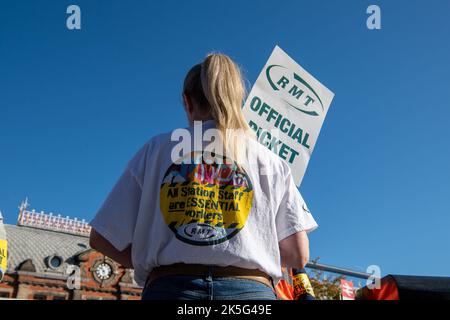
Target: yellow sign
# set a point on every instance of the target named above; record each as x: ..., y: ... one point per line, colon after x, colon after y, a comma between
x: 302, y: 285
x: 3, y: 257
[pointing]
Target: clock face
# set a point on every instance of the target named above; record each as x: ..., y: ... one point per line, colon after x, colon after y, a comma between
x: 103, y: 271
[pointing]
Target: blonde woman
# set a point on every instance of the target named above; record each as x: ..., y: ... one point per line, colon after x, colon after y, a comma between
x: 233, y: 217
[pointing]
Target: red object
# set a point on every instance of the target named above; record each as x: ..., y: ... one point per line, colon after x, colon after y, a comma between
x: 285, y: 288
x: 348, y: 293
x: 402, y: 287
x: 387, y: 291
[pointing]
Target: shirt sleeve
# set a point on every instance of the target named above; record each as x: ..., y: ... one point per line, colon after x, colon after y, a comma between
x: 116, y: 219
x: 293, y: 215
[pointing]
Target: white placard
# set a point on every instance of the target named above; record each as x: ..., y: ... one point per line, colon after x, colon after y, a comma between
x: 286, y: 108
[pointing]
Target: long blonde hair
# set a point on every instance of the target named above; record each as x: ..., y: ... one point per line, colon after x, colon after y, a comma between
x: 217, y: 86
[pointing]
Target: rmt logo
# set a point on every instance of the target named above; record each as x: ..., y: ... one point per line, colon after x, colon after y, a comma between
x: 294, y: 90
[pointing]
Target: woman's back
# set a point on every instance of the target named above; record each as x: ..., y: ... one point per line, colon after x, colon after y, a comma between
x: 207, y: 195
x: 195, y: 211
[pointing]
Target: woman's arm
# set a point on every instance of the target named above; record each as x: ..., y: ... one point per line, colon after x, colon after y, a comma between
x: 99, y: 243
x: 294, y: 250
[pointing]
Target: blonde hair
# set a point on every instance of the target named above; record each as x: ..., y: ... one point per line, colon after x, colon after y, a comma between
x: 217, y: 86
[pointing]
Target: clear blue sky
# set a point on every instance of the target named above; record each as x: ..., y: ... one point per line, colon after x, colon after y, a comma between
x: 76, y: 105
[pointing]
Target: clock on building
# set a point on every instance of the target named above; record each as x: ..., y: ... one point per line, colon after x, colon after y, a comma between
x: 103, y: 271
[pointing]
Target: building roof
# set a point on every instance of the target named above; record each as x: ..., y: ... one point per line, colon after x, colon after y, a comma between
x: 26, y: 243
x: 52, y: 222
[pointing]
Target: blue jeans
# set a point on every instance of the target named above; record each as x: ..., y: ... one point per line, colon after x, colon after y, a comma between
x: 207, y: 288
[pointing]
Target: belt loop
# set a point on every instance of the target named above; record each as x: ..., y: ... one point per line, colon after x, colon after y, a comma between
x: 273, y: 285
x: 211, y: 283
x: 210, y: 273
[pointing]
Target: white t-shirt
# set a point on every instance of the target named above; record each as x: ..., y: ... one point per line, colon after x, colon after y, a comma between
x: 202, y: 213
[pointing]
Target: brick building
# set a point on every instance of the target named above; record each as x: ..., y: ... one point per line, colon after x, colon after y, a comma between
x: 49, y: 258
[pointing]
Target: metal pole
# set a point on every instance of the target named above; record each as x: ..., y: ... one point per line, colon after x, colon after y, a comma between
x: 347, y: 272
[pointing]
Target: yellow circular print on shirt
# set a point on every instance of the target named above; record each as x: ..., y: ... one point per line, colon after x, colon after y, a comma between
x: 204, y: 202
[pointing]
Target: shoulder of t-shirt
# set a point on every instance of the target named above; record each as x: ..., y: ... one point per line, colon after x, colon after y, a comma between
x: 270, y: 157
x: 163, y: 138
x: 137, y: 163
x: 153, y: 144
x: 136, y: 166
